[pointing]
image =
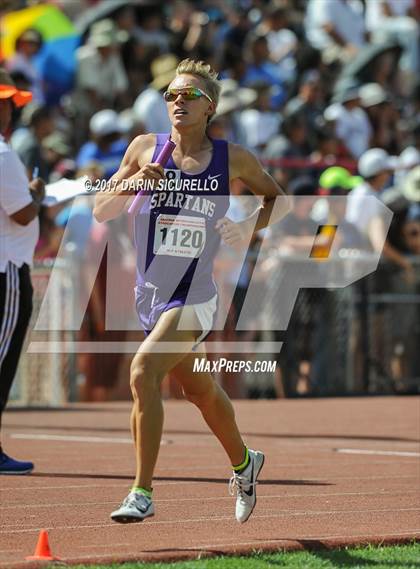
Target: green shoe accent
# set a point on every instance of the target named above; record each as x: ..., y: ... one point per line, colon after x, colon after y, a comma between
x: 140, y: 490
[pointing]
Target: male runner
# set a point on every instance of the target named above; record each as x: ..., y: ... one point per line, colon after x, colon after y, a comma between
x: 177, y: 234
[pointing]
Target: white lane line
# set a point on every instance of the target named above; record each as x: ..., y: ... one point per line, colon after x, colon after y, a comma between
x: 181, y: 482
x: 212, y: 499
x: 212, y: 519
x: 118, y: 440
x: 376, y: 452
x: 75, y: 438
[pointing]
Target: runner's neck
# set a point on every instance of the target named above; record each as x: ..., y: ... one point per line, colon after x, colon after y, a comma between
x: 190, y: 143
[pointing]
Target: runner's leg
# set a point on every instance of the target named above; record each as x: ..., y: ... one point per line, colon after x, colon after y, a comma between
x: 215, y: 406
x: 148, y: 369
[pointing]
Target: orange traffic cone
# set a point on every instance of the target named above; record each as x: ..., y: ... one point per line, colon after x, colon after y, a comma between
x: 42, y: 550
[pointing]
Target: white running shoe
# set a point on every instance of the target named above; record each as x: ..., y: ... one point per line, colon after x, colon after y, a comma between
x: 243, y: 485
x: 135, y: 508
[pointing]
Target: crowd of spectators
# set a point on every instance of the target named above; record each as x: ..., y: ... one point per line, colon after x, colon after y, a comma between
x: 306, y: 85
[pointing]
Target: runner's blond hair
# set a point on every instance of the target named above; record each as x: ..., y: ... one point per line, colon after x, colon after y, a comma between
x: 205, y: 72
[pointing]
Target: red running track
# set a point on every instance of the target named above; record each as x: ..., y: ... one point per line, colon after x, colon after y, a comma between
x: 337, y: 472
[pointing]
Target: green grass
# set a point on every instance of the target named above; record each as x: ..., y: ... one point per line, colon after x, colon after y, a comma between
x: 392, y: 557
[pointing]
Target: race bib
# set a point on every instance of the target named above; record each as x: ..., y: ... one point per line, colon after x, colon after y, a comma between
x: 171, y: 174
x: 179, y: 235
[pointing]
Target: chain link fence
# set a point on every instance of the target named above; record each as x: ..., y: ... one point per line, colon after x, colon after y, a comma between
x: 358, y: 339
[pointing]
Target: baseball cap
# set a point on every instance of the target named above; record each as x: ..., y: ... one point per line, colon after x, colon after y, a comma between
x: 338, y: 177
x: 411, y: 185
x: 372, y: 94
x: 375, y: 161
x: 8, y: 90
x: 409, y: 157
x: 105, y: 122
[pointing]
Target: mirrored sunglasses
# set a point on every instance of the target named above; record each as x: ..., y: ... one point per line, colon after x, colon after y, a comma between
x: 188, y: 94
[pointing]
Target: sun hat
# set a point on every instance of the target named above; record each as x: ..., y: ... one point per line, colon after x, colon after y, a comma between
x: 8, y: 90
x: 105, y: 33
x: 233, y: 97
x: 163, y: 70
x: 57, y: 142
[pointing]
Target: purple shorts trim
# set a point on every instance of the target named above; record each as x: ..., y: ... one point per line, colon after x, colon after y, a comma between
x: 149, y: 307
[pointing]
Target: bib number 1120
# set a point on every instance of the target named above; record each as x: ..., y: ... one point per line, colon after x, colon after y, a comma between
x: 186, y: 237
x: 179, y: 236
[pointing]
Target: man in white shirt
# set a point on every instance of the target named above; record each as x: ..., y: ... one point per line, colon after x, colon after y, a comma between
x: 101, y: 79
x: 352, y: 126
x: 335, y: 27
x: 100, y: 72
x: 20, y: 201
x: 396, y: 20
x: 375, y: 166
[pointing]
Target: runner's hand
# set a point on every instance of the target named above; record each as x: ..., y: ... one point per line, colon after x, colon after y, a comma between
x: 233, y: 234
x: 150, y: 171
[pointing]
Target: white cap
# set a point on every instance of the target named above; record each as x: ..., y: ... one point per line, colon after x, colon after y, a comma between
x: 105, y: 122
x: 333, y: 112
x: 409, y: 157
x: 374, y: 161
x: 372, y: 94
x: 411, y: 186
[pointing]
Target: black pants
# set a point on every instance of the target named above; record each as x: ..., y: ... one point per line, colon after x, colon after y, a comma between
x: 15, y: 312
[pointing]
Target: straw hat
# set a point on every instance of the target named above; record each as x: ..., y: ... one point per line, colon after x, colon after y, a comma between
x: 8, y: 90
x: 232, y: 97
x: 163, y: 70
x: 105, y: 33
x: 58, y: 143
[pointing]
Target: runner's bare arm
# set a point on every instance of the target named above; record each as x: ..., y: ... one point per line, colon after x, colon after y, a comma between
x: 135, y: 169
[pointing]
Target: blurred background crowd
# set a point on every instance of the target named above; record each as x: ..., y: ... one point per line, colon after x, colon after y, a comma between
x: 325, y: 92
